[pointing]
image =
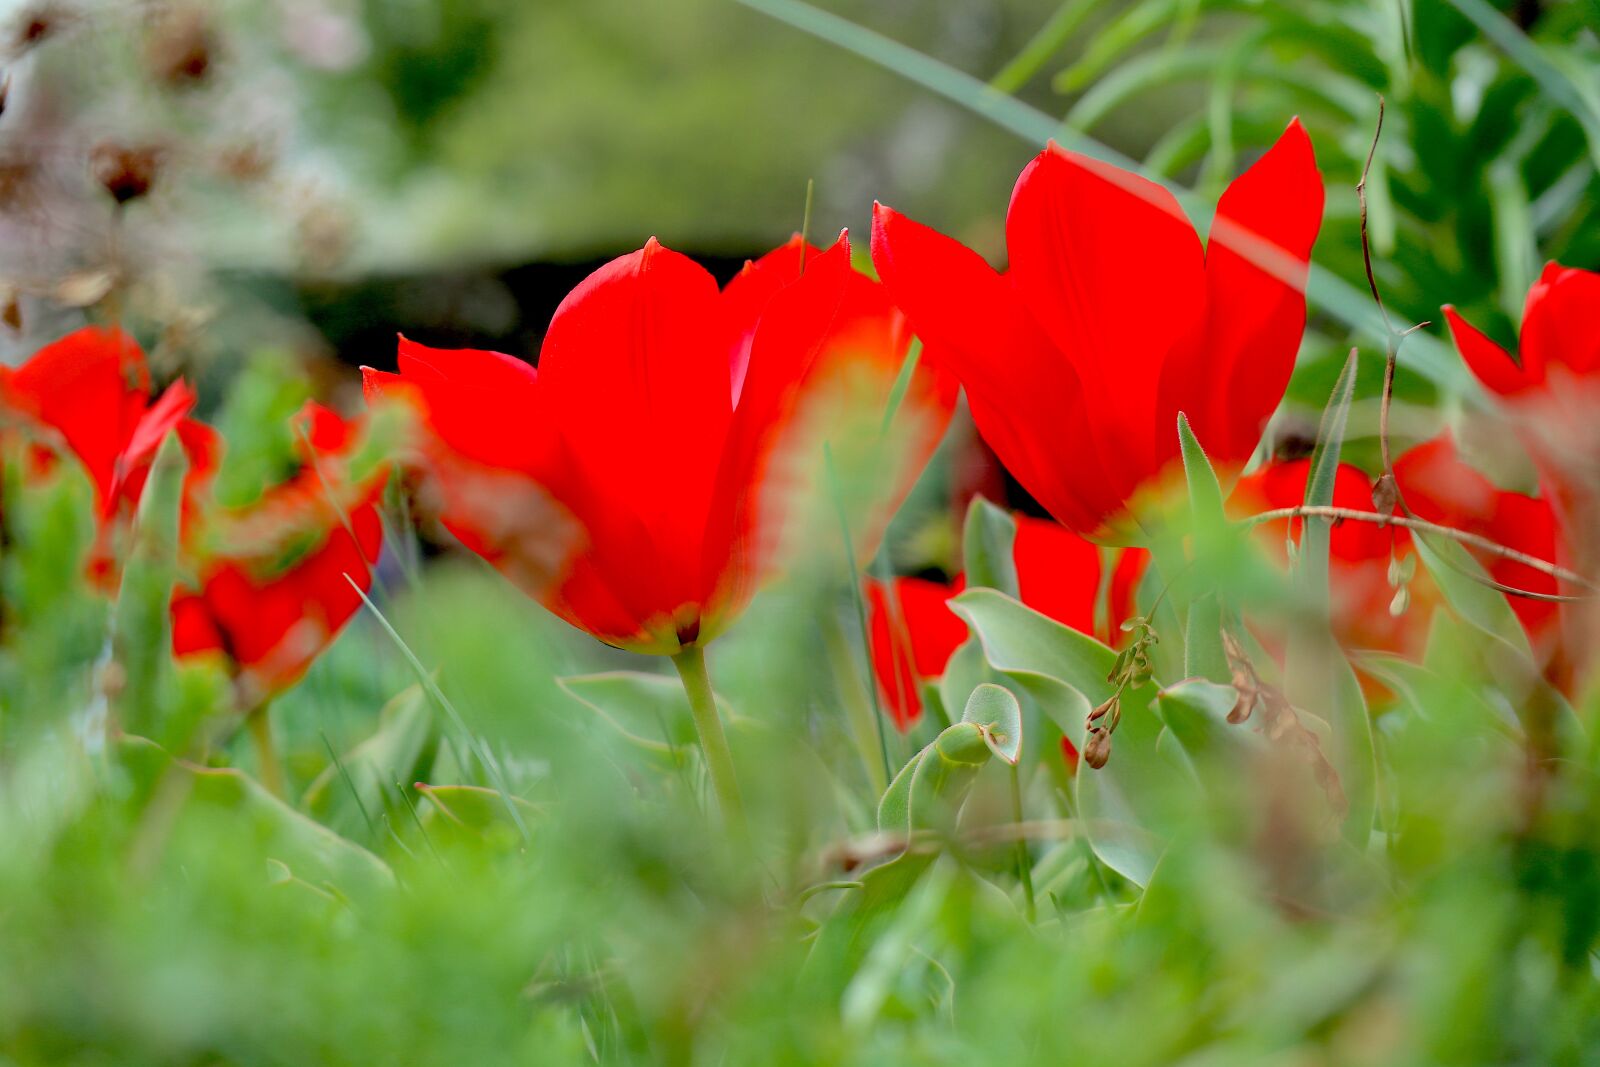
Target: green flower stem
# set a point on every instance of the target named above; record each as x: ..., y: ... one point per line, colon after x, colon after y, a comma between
x: 1024, y: 861
x: 865, y: 721
x: 269, y: 768
x: 691, y: 664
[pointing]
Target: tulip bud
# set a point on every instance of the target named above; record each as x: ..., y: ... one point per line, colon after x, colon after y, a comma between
x: 1097, y: 749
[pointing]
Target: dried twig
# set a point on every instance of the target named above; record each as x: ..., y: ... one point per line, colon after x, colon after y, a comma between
x: 1477, y: 541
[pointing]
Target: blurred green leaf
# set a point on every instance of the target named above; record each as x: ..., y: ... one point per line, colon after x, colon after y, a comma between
x: 986, y: 546
x: 995, y: 710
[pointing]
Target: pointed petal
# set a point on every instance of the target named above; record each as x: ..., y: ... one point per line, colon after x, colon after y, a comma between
x: 1026, y: 399
x: 1058, y: 572
x: 1496, y: 368
x: 635, y: 374
x: 1256, y: 265
x: 90, y: 387
x: 743, y: 534
x: 1112, y: 270
x: 1561, y: 320
x: 747, y: 294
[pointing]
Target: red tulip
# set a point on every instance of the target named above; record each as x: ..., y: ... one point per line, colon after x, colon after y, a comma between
x: 1560, y: 344
x: 913, y: 633
x: 631, y: 472
x: 1358, y: 553
x: 91, y: 391
x: 847, y: 393
x: 271, y: 584
x: 1112, y: 317
x: 1439, y: 487
x: 1551, y: 387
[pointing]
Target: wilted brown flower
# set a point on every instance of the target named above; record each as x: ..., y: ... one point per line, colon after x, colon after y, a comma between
x: 125, y: 171
x: 181, y: 47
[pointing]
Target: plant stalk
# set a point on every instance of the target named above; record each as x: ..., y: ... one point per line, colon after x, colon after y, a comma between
x: 691, y: 664
x: 1024, y: 861
x: 865, y: 721
x: 269, y: 767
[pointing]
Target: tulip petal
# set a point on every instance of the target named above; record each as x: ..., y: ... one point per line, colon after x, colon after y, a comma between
x: 1256, y: 265
x: 1112, y: 270
x: 1058, y: 572
x: 746, y: 514
x: 1026, y: 399
x: 635, y: 374
x: 746, y: 296
x: 1561, y: 321
x: 1496, y: 368
x: 485, y: 405
x: 91, y: 387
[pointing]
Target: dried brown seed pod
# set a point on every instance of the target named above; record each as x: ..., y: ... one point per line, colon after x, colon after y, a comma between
x: 1097, y: 748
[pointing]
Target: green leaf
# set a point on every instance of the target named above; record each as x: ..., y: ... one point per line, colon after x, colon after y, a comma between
x: 1203, y: 655
x: 1462, y: 581
x: 1065, y: 671
x: 965, y: 671
x: 987, y: 538
x: 649, y: 711
x: 254, y: 816
x: 1205, y: 492
x: 353, y: 792
x: 142, y: 625
x: 994, y: 710
x: 932, y: 784
x: 1196, y: 713
x: 1320, y: 481
x: 1530, y: 57
x: 471, y: 813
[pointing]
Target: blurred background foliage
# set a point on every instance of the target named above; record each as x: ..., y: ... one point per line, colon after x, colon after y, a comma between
x: 322, y: 173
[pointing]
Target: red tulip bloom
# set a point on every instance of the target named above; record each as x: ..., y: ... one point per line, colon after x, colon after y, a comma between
x: 1552, y: 386
x: 271, y: 584
x: 90, y: 391
x: 1560, y: 345
x: 913, y: 633
x: 1112, y: 317
x: 632, y: 474
x: 1358, y: 553
x: 846, y: 394
x: 1439, y: 487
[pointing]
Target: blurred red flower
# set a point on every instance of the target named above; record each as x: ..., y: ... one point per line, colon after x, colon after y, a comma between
x: 1359, y: 593
x: 634, y: 482
x: 271, y: 580
x: 913, y: 633
x: 89, y: 394
x: 1551, y: 387
x: 1438, y: 486
x: 1112, y: 317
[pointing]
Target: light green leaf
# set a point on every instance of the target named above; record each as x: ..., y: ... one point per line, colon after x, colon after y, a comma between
x: 359, y: 788
x: 987, y: 538
x: 994, y: 710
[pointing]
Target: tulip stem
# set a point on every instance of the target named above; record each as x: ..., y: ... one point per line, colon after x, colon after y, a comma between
x: 866, y: 722
x: 269, y: 769
x: 691, y: 664
x: 1024, y: 862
